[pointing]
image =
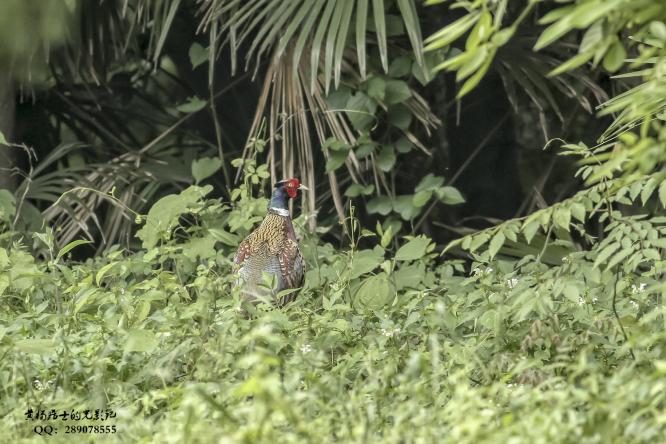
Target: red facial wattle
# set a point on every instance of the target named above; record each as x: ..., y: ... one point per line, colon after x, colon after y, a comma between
x: 292, y: 186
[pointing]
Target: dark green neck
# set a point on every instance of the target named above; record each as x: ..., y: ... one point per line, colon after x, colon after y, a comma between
x: 280, y: 199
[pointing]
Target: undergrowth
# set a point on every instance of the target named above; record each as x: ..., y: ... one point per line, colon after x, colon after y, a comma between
x: 393, y: 343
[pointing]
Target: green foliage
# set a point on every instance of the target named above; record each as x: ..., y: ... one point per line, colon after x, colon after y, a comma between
x: 546, y: 327
x: 382, y: 344
x: 7, y: 207
x: 325, y: 27
x: 163, y: 216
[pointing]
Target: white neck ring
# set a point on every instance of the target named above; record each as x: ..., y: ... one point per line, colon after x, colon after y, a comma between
x: 280, y: 211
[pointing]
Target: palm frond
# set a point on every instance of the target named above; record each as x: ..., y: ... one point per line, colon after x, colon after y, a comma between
x: 293, y: 108
x: 270, y: 26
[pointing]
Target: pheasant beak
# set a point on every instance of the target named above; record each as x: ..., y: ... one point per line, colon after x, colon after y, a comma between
x: 303, y: 187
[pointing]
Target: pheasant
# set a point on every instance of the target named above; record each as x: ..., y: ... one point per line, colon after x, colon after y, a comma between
x: 272, y: 248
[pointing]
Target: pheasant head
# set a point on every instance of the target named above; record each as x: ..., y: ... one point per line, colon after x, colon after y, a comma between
x: 285, y: 190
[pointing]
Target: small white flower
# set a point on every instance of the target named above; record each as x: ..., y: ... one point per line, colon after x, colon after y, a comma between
x: 390, y: 333
x: 581, y: 301
x: 634, y: 304
x: 638, y: 289
x: 566, y: 259
x: 306, y: 348
x: 38, y: 384
x: 122, y: 291
x: 477, y: 271
x: 511, y: 283
x: 595, y: 300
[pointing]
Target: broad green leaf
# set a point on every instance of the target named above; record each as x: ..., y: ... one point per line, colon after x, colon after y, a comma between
x: 360, y: 109
x: 421, y: 198
x: 380, y: 204
x: 140, y: 341
x: 400, y: 116
x: 365, y: 261
x: 386, y: 158
x: 429, y: 183
x: 615, y: 57
x: 496, y: 243
x: 409, y: 276
x: 478, y: 240
x: 355, y: 190
x: 375, y: 292
x: 205, y: 167
x: 198, y: 55
x: 396, y: 91
x: 572, y: 293
x: 403, y: 204
x: 164, y: 214
x: 335, y: 160
x: 400, y: 67
x: 376, y: 87
x: 403, y: 145
x: 578, y: 211
x: 412, y: 250
x: 199, y: 248
x: 450, y: 195
x: 562, y: 218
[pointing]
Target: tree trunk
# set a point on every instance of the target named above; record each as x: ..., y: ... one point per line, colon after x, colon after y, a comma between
x: 8, y: 155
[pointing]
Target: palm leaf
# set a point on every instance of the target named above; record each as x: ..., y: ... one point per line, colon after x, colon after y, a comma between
x: 271, y: 24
